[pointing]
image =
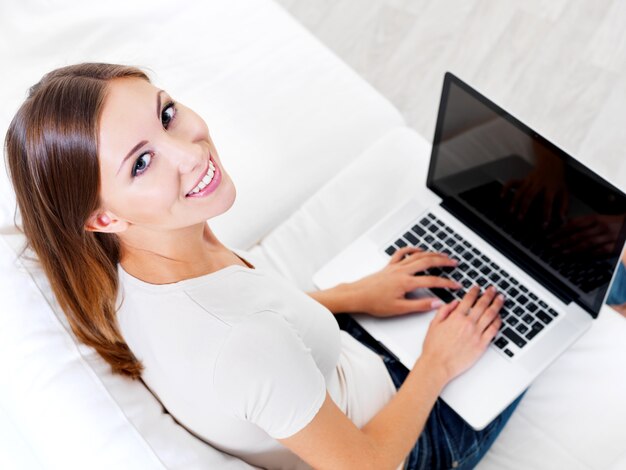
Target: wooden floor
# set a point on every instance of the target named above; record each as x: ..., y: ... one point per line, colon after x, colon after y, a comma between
x: 557, y: 65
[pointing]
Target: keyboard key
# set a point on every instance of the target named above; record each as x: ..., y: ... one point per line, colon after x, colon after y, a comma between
x: 532, y: 307
x: 519, y: 311
x: 528, y: 318
x: 457, y: 276
x: 513, y: 291
x: 536, y: 328
x: 501, y: 342
x: 485, y: 270
x: 411, y: 238
x: 485, y: 259
x: 503, y: 284
x: 524, y: 289
x: 553, y: 312
x: 466, y: 283
x: 522, y: 299
x: 512, y: 320
x: 443, y: 294
x: 472, y: 274
x: 430, y: 215
x: 429, y: 238
x: 391, y: 250
x: 400, y: 243
x: 514, y: 281
x: 533, y: 296
x: 544, y: 317
x: 419, y: 230
x: 521, y: 328
x: 543, y: 304
x: 514, y: 337
x: 531, y: 334
x: 494, y: 277
x: 437, y: 246
x: 482, y: 282
x: 508, y: 352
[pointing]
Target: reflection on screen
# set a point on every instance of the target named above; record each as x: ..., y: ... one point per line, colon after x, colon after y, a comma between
x: 542, y: 208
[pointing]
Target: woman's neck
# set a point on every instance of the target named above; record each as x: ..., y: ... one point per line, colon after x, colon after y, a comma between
x: 168, y: 257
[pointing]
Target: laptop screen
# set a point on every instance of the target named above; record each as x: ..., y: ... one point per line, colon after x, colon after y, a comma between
x: 548, y: 213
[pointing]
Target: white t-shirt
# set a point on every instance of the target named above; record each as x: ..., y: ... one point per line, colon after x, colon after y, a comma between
x: 241, y: 357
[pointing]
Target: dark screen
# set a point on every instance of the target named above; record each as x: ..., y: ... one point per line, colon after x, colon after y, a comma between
x: 547, y: 212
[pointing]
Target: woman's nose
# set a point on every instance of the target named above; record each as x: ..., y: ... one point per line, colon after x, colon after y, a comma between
x: 187, y: 156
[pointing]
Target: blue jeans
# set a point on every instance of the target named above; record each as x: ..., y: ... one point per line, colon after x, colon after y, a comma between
x: 447, y: 441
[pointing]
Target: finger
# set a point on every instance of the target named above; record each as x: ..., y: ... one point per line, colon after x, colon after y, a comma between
x: 445, y: 311
x: 403, y: 306
x: 490, y: 313
x: 529, y: 196
x: 416, y: 255
x: 483, y: 302
x: 468, y: 300
x: 491, y: 331
x: 400, y: 254
x: 434, y: 260
x: 432, y: 281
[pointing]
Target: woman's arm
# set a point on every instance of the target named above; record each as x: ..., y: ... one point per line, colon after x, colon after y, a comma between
x: 457, y: 336
x: 384, y: 292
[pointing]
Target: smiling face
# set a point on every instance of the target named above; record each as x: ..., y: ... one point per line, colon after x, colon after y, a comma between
x: 159, y: 169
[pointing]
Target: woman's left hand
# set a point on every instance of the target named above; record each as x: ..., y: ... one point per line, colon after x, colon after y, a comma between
x: 383, y: 293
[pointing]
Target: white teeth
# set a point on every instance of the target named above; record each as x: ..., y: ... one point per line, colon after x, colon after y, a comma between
x: 205, y: 181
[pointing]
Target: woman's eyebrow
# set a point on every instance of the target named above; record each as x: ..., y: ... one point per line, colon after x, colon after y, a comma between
x: 133, y: 150
x: 143, y: 142
x: 158, y: 107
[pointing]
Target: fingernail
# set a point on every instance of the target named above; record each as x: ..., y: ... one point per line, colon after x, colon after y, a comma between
x: 436, y: 303
x: 501, y: 297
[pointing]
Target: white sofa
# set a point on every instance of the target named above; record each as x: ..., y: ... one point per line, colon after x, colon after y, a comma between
x: 317, y: 156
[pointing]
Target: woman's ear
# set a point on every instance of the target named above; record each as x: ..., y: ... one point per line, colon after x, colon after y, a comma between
x: 106, y: 222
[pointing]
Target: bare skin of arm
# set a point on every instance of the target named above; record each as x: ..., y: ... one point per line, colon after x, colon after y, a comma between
x: 382, y: 293
x: 458, y: 335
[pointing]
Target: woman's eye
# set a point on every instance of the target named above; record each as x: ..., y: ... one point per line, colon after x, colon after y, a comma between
x: 141, y: 164
x: 168, y: 113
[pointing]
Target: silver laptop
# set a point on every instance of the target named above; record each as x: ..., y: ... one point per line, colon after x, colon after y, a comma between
x: 519, y: 214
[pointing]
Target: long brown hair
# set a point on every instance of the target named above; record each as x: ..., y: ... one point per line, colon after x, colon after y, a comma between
x: 52, y: 152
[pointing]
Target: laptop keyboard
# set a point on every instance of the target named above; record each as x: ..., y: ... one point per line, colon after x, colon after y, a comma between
x: 524, y: 315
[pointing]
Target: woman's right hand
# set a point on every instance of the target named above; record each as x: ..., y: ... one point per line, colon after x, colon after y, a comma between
x: 461, y: 331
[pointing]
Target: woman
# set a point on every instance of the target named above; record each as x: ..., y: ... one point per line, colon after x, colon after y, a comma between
x: 115, y: 182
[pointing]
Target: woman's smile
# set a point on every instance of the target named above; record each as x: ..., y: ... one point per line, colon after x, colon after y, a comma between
x: 209, y: 181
